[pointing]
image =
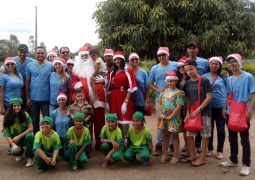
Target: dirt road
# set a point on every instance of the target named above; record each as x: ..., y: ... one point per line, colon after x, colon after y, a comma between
x: 9, y: 169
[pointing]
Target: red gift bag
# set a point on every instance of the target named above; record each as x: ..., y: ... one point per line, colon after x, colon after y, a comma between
x: 195, y: 124
x: 237, y: 117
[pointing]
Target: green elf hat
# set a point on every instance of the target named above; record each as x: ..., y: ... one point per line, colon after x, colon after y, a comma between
x: 16, y: 101
x: 48, y: 120
x: 138, y: 116
x: 112, y: 117
x: 79, y: 115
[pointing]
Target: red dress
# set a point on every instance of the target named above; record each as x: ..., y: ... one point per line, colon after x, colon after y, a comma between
x: 118, y: 87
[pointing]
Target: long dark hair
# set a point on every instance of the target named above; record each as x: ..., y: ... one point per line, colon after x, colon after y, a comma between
x: 115, y: 68
x: 10, y: 116
x: 180, y: 76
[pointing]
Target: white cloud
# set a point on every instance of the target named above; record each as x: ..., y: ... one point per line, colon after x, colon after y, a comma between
x: 60, y: 22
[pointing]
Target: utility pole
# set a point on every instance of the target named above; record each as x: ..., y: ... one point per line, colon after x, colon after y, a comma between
x: 36, y: 26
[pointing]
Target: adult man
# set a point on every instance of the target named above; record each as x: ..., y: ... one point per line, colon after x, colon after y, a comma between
x: 202, y: 64
x: 108, y: 59
x: 64, y: 53
x: 22, y: 60
x: 157, y: 76
x: 83, y: 69
x: 203, y: 67
x: 38, y: 86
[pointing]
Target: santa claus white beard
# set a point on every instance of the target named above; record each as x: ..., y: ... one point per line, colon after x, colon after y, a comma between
x: 83, y: 68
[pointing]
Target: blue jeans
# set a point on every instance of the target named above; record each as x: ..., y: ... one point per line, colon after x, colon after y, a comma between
x: 160, y: 136
x: 52, y: 108
x: 36, y: 107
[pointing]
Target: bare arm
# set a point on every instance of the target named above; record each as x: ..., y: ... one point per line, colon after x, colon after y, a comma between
x: 224, y: 109
x: 154, y: 88
x: 175, y: 112
x: 80, y: 151
x: 27, y: 88
x: 251, y: 107
x: 97, y: 66
x: 29, y: 129
x: 203, y: 105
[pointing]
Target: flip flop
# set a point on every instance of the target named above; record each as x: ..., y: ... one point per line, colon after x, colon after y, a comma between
x: 186, y: 160
x: 193, y: 163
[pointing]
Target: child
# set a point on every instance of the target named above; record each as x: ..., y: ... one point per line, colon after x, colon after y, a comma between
x: 204, y: 107
x: 18, y: 130
x: 81, y: 105
x: 242, y: 87
x: 170, y: 103
x: 111, y: 138
x: 139, y: 140
x: 46, y: 145
x: 77, y: 138
x: 100, y: 69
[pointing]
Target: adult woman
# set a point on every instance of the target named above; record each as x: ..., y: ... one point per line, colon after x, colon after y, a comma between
x: 11, y: 84
x: 61, y: 120
x: 51, y: 56
x: 59, y: 82
x: 69, y: 67
x: 141, y: 77
x: 17, y: 129
x: 121, y: 85
x: 219, y: 95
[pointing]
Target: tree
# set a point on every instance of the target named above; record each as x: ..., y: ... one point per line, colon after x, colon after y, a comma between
x: 8, y: 47
x: 31, y: 44
x: 218, y: 26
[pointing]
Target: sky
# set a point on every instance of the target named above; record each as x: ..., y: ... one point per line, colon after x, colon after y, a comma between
x: 60, y: 22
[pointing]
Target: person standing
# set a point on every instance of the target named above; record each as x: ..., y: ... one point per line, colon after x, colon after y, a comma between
x: 38, y: 86
x: 157, y: 76
x: 108, y: 59
x: 64, y: 53
x: 240, y: 88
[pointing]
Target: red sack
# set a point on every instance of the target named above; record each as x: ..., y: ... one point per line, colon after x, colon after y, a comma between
x: 237, y: 117
x: 195, y: 124
x: 149, y: 109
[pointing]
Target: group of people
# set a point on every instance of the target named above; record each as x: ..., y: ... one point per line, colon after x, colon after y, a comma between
x: 191, y: 95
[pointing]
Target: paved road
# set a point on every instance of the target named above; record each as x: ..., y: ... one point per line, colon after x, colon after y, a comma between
x: 9, y: 169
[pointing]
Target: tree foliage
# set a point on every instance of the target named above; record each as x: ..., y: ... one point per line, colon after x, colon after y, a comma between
x: 218, y: 26
x: 8, y: 47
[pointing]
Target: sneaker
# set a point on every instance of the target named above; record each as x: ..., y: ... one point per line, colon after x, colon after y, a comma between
x: 227, y: 163
x: 30, y: 162
x: 209, y: 154
x: 75, y: 169
x: 219, y: 155
x: 18, y: 158
x: 245, y: 170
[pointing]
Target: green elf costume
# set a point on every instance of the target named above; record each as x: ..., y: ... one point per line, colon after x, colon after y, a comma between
x: 114, y: 135
x: 16, y: 129
x: 80, y: 142
x: 138, y: 142
x: 48, y: 144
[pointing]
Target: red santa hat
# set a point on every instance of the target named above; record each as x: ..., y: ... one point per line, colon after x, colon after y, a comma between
x: 163, y: 50
x: 62, y: 96
x: 182, y: 61
x: 9, y: 60
x: 84, y: 50
x: 58, y: 60
x: 171, y: 76
x: 70, y: 61
x: 237, y: 57
x: 78, y: 85
x: 216, y: 58
x: 133, y: 55
x: 52, y: 53
x: 108, y: 52
x: 119, y: 54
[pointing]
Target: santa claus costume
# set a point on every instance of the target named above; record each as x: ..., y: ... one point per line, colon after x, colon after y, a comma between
x: 121, y: 85
x: 82, y: 71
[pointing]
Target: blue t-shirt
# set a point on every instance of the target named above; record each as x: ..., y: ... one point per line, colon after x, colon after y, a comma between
x: 56, y: 87
x: 157, y: 74
x: 39, y: 80
x: 219, y: 90
x: 142, y: 86
x: 202, y: 65
x: 242, y: 86
x: 21, y: 68
x: 13, y: 86
x: 61, y: 122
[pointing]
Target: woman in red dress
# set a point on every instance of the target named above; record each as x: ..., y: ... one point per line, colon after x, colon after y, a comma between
x: 121, y: 85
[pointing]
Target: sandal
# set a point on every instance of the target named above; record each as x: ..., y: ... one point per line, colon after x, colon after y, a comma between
x: 163, y: 159
x: 187, y: 160
x: 174, y: 160
x: 197, y: 163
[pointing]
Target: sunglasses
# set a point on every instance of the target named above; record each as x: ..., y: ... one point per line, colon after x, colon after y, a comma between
x: 163, y: 55
x: 180, y: 67
x: 134, y: 59
x: 10, y: 64
x: 69, y: 64
x: 64, y: 52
